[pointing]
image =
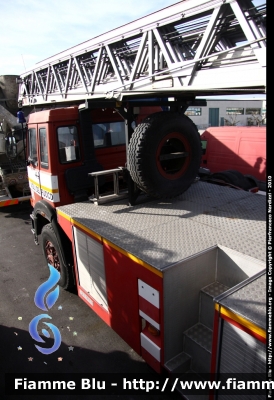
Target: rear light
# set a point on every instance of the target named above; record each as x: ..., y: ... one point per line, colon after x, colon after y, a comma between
x: 254, y: 190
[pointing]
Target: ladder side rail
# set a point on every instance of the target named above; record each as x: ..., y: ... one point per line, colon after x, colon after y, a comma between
x: 137, y: 59
x: 97, y: 68
x: 80, y: 74
x: 143, y: 63
x: 159, y: 18
x: 67, y: 77
x: 163, y: 48
x: 151, y: 54
x: 47, y: 83
x: 114, y: 64
x: 192, y: 62
x: 249, y: 32
x: 207, y: 38
x: 137, y: 26
x: 120, y: 64
x: 135, y: 84
x: 156, y: 51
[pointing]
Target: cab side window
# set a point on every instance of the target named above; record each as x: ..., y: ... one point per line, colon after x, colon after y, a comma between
x: 108, y: 134
x: 43, y: 148
x: 68, y: 144
x: 32, y: 156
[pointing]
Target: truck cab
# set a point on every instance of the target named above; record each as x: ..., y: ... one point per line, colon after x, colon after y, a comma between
x: 59, y: 157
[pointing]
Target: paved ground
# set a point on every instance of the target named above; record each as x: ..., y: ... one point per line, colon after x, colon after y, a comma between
x: 96, y: 347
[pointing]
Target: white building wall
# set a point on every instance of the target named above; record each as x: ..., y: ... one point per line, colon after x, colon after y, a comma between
x: 202, y: 121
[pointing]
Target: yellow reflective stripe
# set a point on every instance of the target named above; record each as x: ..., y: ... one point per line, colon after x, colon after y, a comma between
x: 134, y: 258
x: 8, y: 202
x: 78, y: 224
x: 62, y: 214
x: 46, y: 189
x: 84, y: 228
x: 242, y: 321
x: 129, y: 255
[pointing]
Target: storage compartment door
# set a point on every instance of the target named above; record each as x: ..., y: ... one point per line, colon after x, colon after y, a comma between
x: 91, y: 267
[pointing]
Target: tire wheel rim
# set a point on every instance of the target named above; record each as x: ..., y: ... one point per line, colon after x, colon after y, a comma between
x: 52, y: 256
x: 173, y: 156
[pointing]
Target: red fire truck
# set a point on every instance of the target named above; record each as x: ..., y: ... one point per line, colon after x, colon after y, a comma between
x: 140, y: 267
x: 149, y: 266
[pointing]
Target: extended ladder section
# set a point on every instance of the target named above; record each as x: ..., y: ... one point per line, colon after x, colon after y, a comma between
x: 195, y: 47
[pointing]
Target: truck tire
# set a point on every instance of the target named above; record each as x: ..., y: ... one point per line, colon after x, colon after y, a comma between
x: 164, y: 154
x: 232, y: 177
x: 53, y: 256
x: 241, y: 180
x: 226, y: 177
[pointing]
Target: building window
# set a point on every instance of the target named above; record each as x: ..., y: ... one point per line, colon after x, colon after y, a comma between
x: 253, y: 111
x: 193, y: 111
x: 234, y: 110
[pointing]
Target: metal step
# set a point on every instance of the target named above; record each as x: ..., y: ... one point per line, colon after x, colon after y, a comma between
x: 198, y: 339
x: 179, y: 364
x: 206, y: 302
x: 197, y: 344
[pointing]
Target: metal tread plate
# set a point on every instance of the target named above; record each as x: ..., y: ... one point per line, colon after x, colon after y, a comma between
x: 249, y: 301
x: 214, y: 289
x: 164, y: 232
x: 200, y: 334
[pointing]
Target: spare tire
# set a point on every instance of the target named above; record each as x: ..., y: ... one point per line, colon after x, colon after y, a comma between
x: 164, y: 154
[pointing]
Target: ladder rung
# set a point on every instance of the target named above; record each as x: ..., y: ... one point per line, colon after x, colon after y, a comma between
x: 97, y: 199
x: 106, y: 172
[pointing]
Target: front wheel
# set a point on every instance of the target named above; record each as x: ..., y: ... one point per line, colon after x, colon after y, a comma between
x: 53, y: 256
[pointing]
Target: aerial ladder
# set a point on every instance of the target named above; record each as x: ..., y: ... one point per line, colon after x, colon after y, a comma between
x: 194, y: 47
x: 168, y: 58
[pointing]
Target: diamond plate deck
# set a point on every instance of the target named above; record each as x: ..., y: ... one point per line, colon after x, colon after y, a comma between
x: 164, y: 232
x: 249, y: 301
x: 201, y: 335
x: 214, y: 289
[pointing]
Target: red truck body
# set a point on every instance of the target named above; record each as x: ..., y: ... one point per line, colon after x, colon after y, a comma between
x: 238, y: 148
x: 146, y: 269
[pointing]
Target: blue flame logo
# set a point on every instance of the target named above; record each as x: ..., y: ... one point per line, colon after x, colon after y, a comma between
x: 45, y: 287
x: 45, y: 303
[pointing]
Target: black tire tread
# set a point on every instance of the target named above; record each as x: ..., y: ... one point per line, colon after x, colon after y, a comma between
x: 234, y: 178
x: 137, y: 152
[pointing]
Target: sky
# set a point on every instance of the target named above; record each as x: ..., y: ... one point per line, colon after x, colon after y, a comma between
x: 33, y: 30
